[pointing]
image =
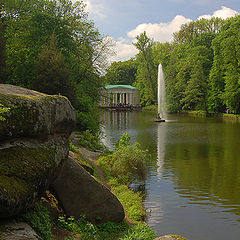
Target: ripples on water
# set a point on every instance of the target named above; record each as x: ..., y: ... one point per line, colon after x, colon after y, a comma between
x: 193, y: 189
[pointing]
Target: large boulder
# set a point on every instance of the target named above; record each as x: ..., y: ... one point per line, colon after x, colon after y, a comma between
x: 33, y: 143
x: 81, y: 195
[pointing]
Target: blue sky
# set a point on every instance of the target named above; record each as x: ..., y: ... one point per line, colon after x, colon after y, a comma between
x: 123, y: 20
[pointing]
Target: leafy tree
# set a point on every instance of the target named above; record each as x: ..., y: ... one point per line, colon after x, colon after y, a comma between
x: 146, y: 72
x: 50, y: 73
x: 121, y: 73
x: 79, y: 49
x: 191, y: 30
x: 224, y: 84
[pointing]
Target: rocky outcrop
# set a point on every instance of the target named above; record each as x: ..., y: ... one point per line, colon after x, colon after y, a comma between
x: 82, y: 195
x: 33, y: 143
x: 18, y: 231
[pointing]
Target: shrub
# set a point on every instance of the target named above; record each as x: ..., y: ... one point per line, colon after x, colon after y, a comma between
x: 39, y: 219
x: 124, y: 140
x: 126, y: 163
x: 89, y: 140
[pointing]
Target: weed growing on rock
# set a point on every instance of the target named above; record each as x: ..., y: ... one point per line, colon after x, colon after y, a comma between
x: 2, y: 111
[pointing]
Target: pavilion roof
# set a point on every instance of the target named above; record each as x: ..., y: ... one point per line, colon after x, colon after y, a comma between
x: 123, y: 86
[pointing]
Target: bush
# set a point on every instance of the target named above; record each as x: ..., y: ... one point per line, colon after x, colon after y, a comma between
x: 89, y: 140
x: 39, y: 219
x: 126, y: 163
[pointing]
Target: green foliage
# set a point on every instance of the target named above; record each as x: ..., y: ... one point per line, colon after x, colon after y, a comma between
x: 72, y: 147
x: 89, y: 231
x: 89, y: 140
x: 121, y: 73
x: 124, y: 140
x: 125, y: 163
x: 39, y: 219
x: 131, y: 201
x: 224, y: 78
x: 2, y: 111
x: 121, y: 167
x: 139, y: 232
x: 71, y: 64
x: 146, y: 71
x: 50, y: 73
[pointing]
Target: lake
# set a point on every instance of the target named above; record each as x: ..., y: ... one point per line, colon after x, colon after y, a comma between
x: 193, y: 183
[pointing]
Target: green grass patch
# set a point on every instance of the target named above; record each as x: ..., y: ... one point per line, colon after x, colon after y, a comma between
x: 39, y: 219
x: 131, y: 201
x: 88, y: 231
x: 139, y: 232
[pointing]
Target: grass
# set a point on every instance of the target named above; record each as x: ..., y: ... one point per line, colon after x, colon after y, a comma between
x: 39, y: 219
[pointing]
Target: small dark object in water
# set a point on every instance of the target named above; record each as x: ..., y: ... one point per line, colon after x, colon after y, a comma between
x: 159, y: 120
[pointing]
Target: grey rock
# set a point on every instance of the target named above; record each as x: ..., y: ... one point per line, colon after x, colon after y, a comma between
x: 81, y: 195
x: 19, y: 231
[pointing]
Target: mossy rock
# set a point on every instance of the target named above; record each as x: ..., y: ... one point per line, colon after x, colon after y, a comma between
x: 34, y: 114
x: 33, y: 142
x: 26, y: 170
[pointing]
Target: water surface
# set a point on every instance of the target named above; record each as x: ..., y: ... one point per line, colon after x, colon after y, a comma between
x: 193, y: 184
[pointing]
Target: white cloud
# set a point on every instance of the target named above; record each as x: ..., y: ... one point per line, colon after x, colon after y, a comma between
x: 124, y: 49
x: 95, y: 8
x: 223, y: 13
x: 161, y: 32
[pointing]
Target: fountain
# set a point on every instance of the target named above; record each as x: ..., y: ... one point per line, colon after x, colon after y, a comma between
x: 162, y: 113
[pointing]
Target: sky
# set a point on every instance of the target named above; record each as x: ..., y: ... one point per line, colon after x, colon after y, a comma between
x: 123, y: 20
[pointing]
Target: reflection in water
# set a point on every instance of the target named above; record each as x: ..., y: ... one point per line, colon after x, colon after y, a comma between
x: 194, y: 187
x: 161, y: 136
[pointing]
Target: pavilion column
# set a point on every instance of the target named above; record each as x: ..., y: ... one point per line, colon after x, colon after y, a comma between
x: 109, y: 98
x: 113, y: 98
x: 130, y: 98
x: 120, y: 97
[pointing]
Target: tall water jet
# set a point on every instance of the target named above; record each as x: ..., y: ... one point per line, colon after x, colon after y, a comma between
x: 162, y: 108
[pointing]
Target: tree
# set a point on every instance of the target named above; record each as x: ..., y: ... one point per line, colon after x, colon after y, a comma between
x: 146, y: 72
x: 192, y: 30
x: 121, y: 73
x: 224, y: 84
x: 79, y: 49
x: 50, y: 73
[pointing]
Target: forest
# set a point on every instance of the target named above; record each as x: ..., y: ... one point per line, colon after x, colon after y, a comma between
x: 201, y: 67
x: 53, y: 47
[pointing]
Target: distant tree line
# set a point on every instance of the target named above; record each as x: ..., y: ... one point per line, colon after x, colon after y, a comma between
x: 51, y: 46
x: 201, y: 65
